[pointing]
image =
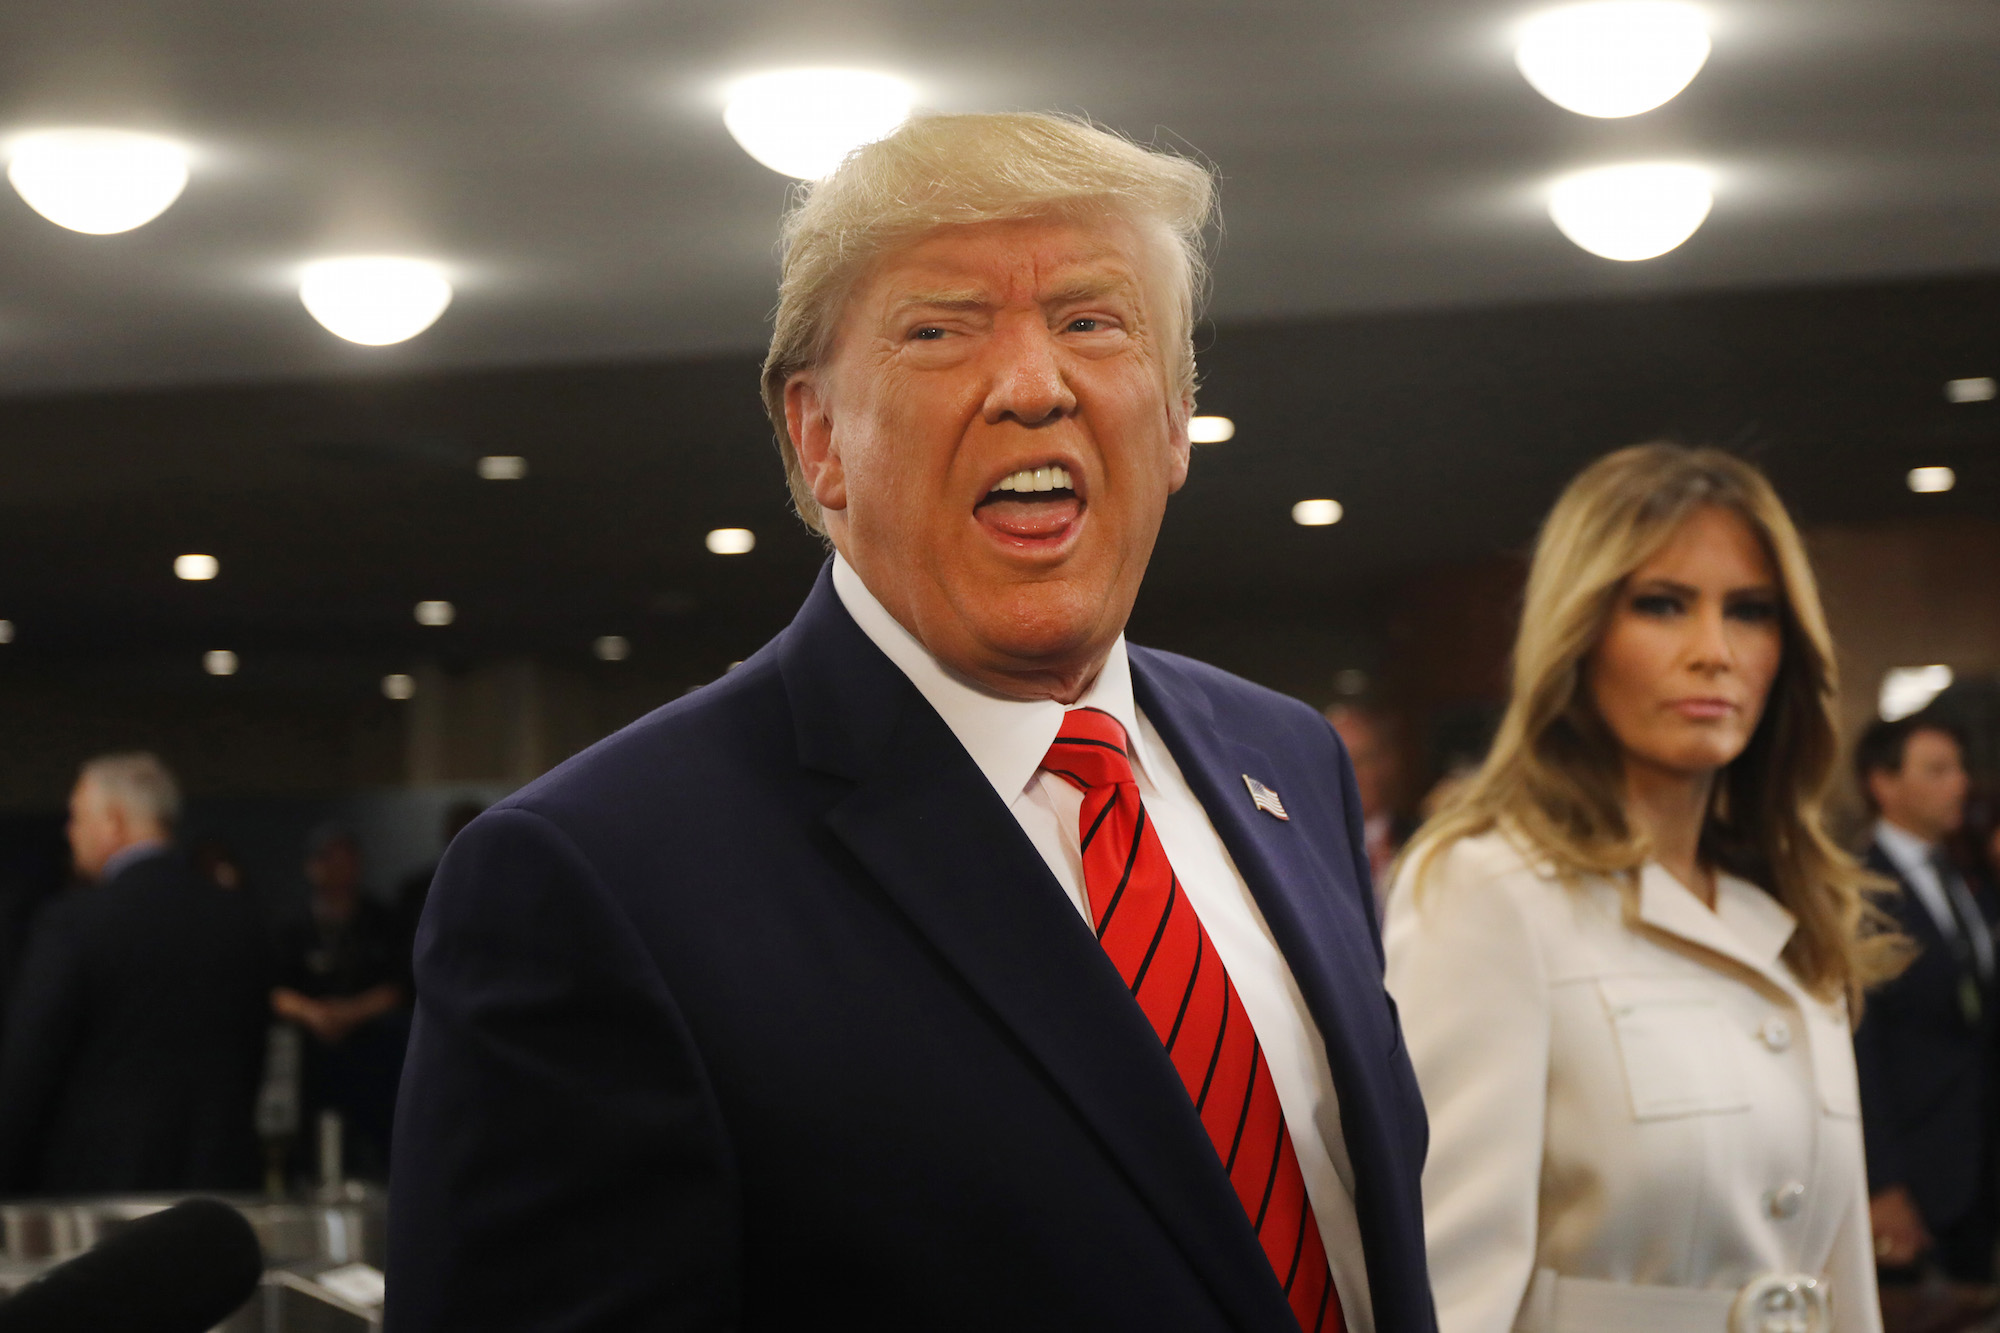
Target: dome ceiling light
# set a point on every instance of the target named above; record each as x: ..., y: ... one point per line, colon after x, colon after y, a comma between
x: 804, y: 122
x: 375, y: 300
x: 1637, y: 211
x: 97, y: 181
x: 1615, y: 57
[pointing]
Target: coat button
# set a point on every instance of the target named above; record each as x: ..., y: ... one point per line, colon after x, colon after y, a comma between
x: 1783, y: 1202
x: 1776, y: 1034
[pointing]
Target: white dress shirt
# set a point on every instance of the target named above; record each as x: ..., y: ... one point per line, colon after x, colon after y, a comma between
x: 1007, y: 739
x: 1913, y: 857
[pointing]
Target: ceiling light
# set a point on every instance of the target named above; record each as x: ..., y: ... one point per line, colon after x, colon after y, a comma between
x: 1907, y: 690
x: 1979, y: 389
x: 1316, y: 513
x: 398, y: 686
x: 6, y: 631
x: 1210, y: 430
x: 731, y: 541
x: 374, y: 299
x: 97, y: 181
x: 1636, y: 211
x: 1932, y: 480
x: 1615, y: 58
x: 196, y: 568
x: 804, y: 122
x: 612, y: 648
x: 219, y: 662
x: 503, y: 467
x: 436, y: 613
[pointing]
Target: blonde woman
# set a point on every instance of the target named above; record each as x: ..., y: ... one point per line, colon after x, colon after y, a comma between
x: 1626, y: 952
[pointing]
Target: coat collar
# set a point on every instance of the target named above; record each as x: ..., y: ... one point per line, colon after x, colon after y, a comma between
x: 930, y: 829
x: 1748, y: 925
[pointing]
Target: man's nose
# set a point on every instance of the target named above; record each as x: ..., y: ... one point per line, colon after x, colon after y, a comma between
x: 1027, y: 382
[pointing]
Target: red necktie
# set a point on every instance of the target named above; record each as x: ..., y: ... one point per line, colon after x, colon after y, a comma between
x: 1149, y: 930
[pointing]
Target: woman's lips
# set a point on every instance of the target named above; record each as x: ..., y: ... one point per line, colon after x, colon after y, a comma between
x: 1044, y: 520
x: 1703, y: 710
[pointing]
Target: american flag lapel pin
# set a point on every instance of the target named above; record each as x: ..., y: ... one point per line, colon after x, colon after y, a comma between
x: 1265, y: 799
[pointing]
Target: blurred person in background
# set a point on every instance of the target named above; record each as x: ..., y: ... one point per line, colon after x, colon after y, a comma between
x: 1926, y: 1046
x: 343, y: 978
x: 137, y: 1028
x: 1626, y: 951
x: 1370, y: 735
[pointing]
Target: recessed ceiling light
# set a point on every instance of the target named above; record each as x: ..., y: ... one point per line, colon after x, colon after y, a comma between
x: 503, y: 467
x: 612, y: 648
x: 436, y: 613
x: 1978, y: 389
x: 374, y: 300
x: 1636, y: 211
x: 6, y: 631
x: 1316, y: 513
x: 1907, y: 690
x: 1932, y: 480
x: 731, y: 541
x: 398, y: 686
x: 97, y: 181
x: 1613, y: 58
x: 804, y: 122
x: 1210, y: 430
x: 219, y: 662
x: 196, y: 568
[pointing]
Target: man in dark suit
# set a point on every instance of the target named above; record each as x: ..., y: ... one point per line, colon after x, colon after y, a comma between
x: 1925, y: 1047
x: 135, y: 1038
x: 948, y: 964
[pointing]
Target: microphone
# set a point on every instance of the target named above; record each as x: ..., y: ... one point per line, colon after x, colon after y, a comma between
x: 182, y: 1270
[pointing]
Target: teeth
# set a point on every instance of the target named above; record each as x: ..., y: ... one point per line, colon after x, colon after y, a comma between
x: 1037, y: 479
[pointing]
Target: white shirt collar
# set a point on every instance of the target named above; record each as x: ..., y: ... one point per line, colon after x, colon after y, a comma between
x: 1910, y: 854
x: 1007, y: 738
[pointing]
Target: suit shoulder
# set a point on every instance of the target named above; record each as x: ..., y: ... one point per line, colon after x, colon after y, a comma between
x: 1237, y: 701
x: 734, y: 724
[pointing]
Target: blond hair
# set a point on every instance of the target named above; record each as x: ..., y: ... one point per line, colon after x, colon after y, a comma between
x: 1553, y: 780
x: 943, y: 171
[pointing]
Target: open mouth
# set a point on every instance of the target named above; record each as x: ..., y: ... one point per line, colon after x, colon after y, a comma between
x: 1034, y: 506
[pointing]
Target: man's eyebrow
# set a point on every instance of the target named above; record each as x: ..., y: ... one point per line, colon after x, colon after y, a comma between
x: 962, y: 298
x: 1086, y: 289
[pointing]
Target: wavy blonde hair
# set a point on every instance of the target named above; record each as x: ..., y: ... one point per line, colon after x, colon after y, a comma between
x: 1553, y: 779
x: 941, y: 171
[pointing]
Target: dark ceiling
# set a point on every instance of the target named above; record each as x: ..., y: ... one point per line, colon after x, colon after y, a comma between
x: 334, y: 506
x: 567, y: 157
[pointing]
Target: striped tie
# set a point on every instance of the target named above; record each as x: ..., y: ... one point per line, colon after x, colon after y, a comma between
x: 1152, y: 936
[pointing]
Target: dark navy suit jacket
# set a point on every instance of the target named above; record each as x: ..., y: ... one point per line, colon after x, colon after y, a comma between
x: 765, y: 1014
x: 135, y: 1038
x: 1927, y: 1075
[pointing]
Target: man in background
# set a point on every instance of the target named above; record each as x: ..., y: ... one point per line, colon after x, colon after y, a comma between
x: 1371, y: 747
x: 343, y: 978
x: 136, y: 1032
x: 1925, y: 1047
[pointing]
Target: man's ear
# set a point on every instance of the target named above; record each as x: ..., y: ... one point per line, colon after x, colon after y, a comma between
x: 1179, y: 443
x: 809, y: 420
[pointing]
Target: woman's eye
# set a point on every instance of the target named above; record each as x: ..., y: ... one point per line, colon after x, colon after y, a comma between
x: 1756, y: 613
x: 1656, y: 604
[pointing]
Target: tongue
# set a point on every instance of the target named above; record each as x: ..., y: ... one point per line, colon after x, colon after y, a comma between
x: 1030, y: 519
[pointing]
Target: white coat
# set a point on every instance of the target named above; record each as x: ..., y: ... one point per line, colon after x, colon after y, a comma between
x: 1659, y: 1104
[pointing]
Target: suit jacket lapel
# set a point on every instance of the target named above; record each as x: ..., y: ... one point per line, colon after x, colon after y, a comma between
x: 931, y: 830
x: 1324, y: 924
